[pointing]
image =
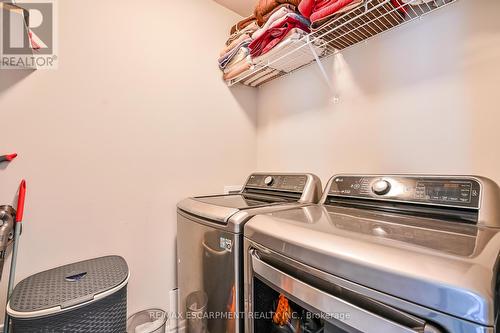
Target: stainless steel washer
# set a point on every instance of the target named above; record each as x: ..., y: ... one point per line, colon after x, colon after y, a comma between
x: 385, y: 253
x: 209, y: 245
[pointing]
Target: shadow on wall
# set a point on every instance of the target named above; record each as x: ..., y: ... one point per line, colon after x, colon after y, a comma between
x: 441, y: 45
x: 303, y: 91
x: 425, y: 50
x: 10, y: 77
x: 4, y: 165
x: 246, y: 97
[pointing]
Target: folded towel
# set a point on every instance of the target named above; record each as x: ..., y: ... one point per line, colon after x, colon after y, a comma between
x: 266, y: 17
x: 237, y: 70
x: 250, y: 29
x: 234, y: 44
x: 265, y: 7
x: 241, y: 55
x: 276, y: 34
x: 243, y: 24
x: 296, y: 16
x: 306, y: 7
x: 226, y: 58
x: 281, y: 12
x: 291, y: 39
x: 318, y: 22
x: 291, y: 53
x: 317, y: 10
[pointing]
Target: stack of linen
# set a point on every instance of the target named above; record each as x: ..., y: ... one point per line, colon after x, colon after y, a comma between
x: 321, y: 11
x: 281, y: 25
x: 274, y: 29
x: 266, y: 8
x: 234, y: 57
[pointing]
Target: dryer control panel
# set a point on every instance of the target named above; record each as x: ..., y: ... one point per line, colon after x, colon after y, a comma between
x: 463, y: 192
x: 295, y: 183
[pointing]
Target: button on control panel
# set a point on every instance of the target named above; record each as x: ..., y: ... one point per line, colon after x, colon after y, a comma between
x: 452, y: 191
x: 295, y: 183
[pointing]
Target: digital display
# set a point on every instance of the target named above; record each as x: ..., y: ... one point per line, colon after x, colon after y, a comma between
x: 447, y: 192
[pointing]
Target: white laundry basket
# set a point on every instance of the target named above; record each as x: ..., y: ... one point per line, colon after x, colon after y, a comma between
x: 147, y: 321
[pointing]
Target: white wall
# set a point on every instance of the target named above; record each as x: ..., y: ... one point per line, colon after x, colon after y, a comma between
x: 421, y: 99
x: 135, y: 118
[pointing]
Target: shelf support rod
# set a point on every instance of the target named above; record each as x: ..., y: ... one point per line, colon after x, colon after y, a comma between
x: 320, y: 65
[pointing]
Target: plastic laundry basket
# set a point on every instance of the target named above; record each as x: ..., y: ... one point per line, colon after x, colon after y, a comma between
x: 147, y: 321
x: 88, y: 296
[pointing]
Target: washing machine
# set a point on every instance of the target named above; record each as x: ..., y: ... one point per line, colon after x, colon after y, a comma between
x: 382, y: 253
x: 209, y: 246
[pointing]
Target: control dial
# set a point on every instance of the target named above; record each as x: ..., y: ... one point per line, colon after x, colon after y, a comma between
x: 381, y: 187
x: 269, y: 180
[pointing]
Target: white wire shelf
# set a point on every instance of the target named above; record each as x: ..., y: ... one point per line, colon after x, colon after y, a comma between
x: 371, y: 18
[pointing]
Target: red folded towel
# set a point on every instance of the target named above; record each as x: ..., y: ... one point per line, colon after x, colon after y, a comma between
x: 317, y: 9
x: 274, y: 35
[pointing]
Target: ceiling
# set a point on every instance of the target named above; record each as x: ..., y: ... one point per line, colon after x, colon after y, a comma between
x: 242, y: 7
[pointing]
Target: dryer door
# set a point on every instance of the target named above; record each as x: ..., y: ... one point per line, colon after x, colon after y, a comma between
x: 315, y: 310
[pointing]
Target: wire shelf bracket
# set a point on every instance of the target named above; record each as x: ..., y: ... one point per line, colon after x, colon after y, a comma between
x: 320, y: 65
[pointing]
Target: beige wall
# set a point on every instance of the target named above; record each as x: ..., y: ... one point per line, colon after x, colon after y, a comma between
x: 421, y: 99
x: 135, y: 118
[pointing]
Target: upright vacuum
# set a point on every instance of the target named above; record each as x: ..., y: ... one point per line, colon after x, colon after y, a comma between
x: 10, y: 233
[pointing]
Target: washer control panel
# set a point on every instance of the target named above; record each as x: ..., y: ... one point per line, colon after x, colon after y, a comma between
x: 443, y: 191
x: 295, y: 183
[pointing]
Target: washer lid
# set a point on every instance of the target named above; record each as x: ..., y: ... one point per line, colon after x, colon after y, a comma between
x: 221, y: 207
x: 67, y: 287
x: 239, y: 201
x: 441, y: 265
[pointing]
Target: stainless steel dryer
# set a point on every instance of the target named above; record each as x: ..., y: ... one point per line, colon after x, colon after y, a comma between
x: 390, y: 253
x: 209, y: 245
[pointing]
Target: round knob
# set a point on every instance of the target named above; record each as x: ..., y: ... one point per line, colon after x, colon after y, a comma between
x: 381, y: 187
x: 269, y: 180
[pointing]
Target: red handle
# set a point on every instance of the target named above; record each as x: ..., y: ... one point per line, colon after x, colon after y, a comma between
x: 20, y: 202
x: 11, y: 157
x: 7, y: 158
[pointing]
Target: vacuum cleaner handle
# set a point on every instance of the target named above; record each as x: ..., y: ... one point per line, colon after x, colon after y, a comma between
x: 20, y: 202
x: 15, y: 250
x: 7, y: 158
